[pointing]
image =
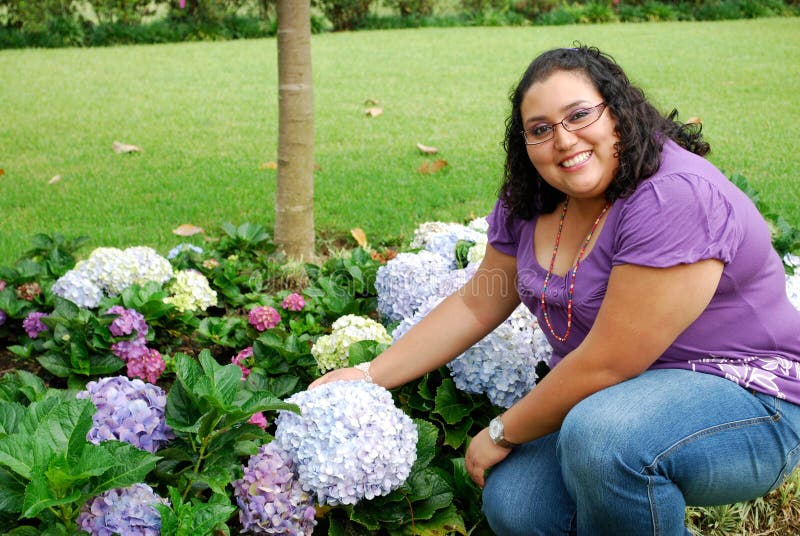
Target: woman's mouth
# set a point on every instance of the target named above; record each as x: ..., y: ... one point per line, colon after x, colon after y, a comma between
x: 579, y: 158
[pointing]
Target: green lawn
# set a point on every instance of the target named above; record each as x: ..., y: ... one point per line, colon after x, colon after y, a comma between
x: 206, y: 116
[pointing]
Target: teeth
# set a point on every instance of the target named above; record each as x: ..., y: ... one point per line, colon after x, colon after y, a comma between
x: 578, y: 159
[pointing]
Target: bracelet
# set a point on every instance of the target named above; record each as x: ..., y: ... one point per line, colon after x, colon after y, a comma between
x: 364, y: 367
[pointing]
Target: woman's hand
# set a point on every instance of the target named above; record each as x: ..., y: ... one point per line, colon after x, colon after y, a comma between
x: 343, y: 374
x: 482, y: 455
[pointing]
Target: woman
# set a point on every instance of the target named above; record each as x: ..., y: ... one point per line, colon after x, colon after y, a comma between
x: 677, y: 374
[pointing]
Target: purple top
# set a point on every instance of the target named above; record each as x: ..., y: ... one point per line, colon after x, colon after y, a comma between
x: 686, y: 212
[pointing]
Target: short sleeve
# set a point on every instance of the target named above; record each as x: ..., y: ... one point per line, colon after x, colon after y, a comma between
x: 676, y: 219
x: 503, y: 235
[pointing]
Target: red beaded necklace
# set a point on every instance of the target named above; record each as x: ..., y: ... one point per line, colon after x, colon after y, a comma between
x: 574, y: 270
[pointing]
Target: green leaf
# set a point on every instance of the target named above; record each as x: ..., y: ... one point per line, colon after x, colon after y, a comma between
x: 188, y: 371
x: 221, y: 382
x: 54, y: 364
x: 427, y: 434
x: 11, y: 414
x: 104, y: 365
x: 12, y: 492
x: 182, y: 411
x: 132, y: 465
x: 39, y: 495
x: 455, y: 435
x: 448, y: 404
x: 429, y: 491
x: 444, y: 523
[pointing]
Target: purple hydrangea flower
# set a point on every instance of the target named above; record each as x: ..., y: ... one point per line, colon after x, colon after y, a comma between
x: 149, y: 366
x: 263, y: 318
x: 3, y: 317
x: 349, y: 443
x: 127, y: 322
x: 239, y: 359
x: 293, y: 302
x: 130, y: 511
x: 33, y: 324
x: 128, y: 410
x: 270, y: 499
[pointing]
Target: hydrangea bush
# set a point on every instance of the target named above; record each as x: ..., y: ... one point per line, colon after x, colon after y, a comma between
x: 349, y: 443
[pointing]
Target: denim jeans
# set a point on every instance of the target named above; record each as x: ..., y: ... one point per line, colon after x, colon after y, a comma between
x: 628, y: 459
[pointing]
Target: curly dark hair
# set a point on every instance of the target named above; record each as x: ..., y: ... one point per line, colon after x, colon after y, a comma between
x: 641, y: 128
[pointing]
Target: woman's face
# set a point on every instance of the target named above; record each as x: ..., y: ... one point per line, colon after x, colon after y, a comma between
x: 580, y: 163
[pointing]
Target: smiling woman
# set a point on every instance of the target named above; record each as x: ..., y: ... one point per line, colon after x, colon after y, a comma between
x: 643, y: 382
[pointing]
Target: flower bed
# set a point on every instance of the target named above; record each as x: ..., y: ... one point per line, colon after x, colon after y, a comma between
x: 171, y: 391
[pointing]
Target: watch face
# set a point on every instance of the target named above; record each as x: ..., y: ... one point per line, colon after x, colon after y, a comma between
x: 496, y: 428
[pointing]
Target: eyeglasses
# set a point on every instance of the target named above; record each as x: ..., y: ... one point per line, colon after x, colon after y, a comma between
x: 576, y: 120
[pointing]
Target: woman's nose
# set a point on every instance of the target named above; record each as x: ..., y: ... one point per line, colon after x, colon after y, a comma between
x: 563, y: 138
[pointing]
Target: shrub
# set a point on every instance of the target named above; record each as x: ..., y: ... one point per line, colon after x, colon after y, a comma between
x: 415, y: 8
x: 344, y: 14
x: 533, y: 8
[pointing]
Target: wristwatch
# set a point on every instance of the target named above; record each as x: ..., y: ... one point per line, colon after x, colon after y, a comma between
x: 496, y: 432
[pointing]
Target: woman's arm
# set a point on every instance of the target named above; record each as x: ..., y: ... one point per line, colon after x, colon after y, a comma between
x: 461, y: 320
x: 643, y: 312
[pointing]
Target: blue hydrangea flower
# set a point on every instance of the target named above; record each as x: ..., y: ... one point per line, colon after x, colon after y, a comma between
x: 76, y: 287
x: 130, y: 511
x: 406, y: 281
x: 502, y: 364
x: 270, y: 499
x: 183, y: 246
x: 350, y: 443
x: 128, y: 410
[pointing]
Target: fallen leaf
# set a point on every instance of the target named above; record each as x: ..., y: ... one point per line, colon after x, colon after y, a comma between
x: 429, y: 168
x: 2, y: 171
x: 360, y: 236
x: 187, y: 229
x: 373, y: 112
x: 120, y: 148
x: 54, y: 180
x: 372, y: 102
x: 425, y: 149
x: 268, y: 165
x: 694, y: 121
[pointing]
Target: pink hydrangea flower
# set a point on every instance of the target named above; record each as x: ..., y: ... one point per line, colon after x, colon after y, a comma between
x: 293, y: 302
x: 148, y: 367
x: 263, y: 318
x: 2, y: 285
x: 239, y: 358
x: 259, y: 420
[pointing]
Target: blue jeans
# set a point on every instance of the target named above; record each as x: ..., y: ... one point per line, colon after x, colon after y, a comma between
x: 629, y: 458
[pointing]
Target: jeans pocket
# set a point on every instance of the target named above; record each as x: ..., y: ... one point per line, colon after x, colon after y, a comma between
x: 792, y: 460
x: 786, y: 413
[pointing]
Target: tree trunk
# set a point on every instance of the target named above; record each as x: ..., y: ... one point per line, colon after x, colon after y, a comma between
x: 294, y: 199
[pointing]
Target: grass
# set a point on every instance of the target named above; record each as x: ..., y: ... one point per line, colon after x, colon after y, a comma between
x: 206, y: 116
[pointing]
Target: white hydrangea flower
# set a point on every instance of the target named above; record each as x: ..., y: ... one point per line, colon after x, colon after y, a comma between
x: 477, y: 252
x: 349, y: 443
x: 330, y: 351
x: 479, y: 224
x: 793, y: 289
x: 150, y: 266
x: 406, y: 281
x: 427, y: 230
x: 79, y: 289
x: 190, y: 291
x: 109, y: 268
x: 110, y: 271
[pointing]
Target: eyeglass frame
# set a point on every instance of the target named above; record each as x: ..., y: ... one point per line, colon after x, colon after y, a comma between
x: 553, y: 125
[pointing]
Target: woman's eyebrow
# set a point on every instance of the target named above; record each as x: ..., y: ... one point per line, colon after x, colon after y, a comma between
x: 562, y: 110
